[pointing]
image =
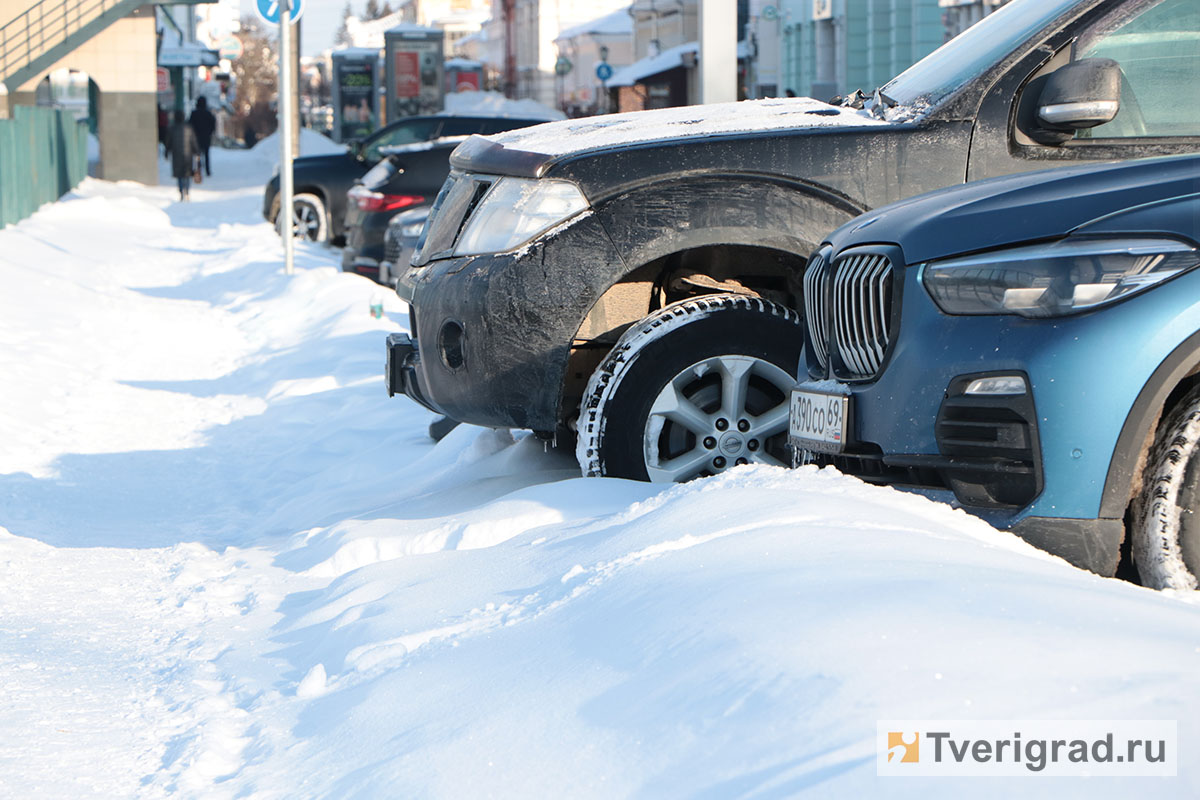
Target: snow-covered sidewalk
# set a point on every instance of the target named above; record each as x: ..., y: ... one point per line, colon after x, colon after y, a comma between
x: 232, y: 567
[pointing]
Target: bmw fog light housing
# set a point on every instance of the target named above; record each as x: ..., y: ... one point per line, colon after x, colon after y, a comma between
x: 997, y: 385
x: 515, y: 211
x: 1055, y: 279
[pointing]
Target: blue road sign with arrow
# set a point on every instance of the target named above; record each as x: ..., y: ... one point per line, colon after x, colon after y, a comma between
x: 268, y: 10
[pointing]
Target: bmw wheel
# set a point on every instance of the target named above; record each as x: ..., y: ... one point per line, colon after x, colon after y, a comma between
x: 1166, y: 535
x: 692, y: 390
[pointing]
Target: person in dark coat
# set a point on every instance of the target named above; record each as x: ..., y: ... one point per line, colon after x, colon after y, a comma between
x: 203, y: 123
x: 184, y: 147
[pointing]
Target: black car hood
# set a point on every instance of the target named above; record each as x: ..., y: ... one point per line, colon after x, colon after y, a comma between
x: 1021, y: 208
x: 528, y: 152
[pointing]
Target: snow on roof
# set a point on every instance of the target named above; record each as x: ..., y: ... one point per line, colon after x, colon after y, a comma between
x: 412, y: 27
x: 667, y: 59
x: 463, y: 63
x: 355, y: 51
x: 652, y: 65
x: 494, y: 104
x: 617, y: 23
x: 478, y: 36
x: 592, y: 133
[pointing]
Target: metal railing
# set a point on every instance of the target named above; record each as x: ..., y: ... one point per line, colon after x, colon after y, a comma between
x: 44, y: 30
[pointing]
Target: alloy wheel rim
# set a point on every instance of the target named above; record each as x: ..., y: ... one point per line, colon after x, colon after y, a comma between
x: 718, y: 413
x: 305, y: 222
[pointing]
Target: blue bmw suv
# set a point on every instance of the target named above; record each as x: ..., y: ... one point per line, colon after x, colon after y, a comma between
x: 1027, y: 347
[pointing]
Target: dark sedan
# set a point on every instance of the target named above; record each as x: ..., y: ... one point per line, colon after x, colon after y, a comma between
x: 321, y: 182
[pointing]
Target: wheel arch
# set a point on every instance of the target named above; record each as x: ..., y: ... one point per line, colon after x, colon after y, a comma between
x: 315, y: 189
x: 695, y: 236
x: 1178, y: 373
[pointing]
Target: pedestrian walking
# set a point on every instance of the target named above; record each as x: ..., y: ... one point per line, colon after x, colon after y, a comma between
x: 184, y: 150
x: 203, y: 123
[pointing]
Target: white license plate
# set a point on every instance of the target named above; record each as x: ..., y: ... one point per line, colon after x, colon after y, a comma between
x: 818, y: 421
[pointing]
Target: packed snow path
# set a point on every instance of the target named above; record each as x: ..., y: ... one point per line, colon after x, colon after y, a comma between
x: 232, y: 567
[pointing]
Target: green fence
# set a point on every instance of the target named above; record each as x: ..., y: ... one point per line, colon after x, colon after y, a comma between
x: 43, y: 155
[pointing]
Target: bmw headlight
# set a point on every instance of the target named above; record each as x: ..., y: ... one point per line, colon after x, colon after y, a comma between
x: 1053, y: 280
x: 516, y: 210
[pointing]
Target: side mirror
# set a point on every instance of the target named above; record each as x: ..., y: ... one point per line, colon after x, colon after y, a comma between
x: 1082, y: 94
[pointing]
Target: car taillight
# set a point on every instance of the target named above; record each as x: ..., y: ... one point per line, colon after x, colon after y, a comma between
x: 366, y: 200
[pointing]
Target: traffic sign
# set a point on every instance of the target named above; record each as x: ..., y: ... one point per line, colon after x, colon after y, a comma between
x: 268, y: 10
x: 604, y: 71
x: 563, y: 65
x: 231, y: 47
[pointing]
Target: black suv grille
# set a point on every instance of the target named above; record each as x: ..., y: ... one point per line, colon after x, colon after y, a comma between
x: 848, y: 305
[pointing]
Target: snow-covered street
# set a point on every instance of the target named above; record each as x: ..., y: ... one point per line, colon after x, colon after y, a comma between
x: 233, y: 567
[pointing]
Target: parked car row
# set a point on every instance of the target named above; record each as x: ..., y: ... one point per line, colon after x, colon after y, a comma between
x: 347, y: 198
x: 652, y: 286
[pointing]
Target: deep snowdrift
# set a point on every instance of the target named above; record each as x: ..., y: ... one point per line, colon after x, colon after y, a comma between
x: 234, y: 568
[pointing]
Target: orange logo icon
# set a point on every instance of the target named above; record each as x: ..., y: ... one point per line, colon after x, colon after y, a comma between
x: 906, y: 746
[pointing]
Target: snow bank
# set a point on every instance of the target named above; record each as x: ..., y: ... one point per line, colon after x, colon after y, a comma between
x: 234, y: 568
x: 312, y: 143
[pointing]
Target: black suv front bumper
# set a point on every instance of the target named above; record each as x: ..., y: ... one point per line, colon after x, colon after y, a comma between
x: 400, y: 370
x: 492, y: 334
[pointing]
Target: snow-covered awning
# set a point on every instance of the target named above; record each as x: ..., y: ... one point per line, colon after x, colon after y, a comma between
x: 652, y: 65
x: 638, y: 71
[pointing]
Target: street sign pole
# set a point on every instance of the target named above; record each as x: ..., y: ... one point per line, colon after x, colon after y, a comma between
x: 285, y: 136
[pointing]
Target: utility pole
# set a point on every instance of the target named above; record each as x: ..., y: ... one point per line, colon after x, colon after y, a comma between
x: 718, y: 51
x: 286, y: 113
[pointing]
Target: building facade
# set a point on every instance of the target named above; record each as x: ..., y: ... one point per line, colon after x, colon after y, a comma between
x: 823, y: 48
x: 582, y: 82
x: 816, y: 48
x: 121, y: 68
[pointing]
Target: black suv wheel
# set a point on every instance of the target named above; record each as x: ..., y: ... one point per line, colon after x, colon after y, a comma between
x: 691, y: 390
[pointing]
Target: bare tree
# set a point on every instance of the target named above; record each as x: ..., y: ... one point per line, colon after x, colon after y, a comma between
x: 342, y: 37
x: 377, y: 10
x: 256, y: 73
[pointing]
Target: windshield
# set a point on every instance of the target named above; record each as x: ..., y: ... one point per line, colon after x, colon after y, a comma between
x: 969, y: 54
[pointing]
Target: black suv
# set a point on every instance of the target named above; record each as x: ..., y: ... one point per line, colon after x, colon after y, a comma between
x: 636, y: 278
x: 321, y: 182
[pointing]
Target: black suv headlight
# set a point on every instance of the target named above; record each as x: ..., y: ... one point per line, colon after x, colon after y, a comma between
x: 1055, y: 279
x: 517, y: 210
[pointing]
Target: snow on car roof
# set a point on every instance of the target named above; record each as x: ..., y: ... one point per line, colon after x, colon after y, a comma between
x: 494, y: 104
x: 559, y: 138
